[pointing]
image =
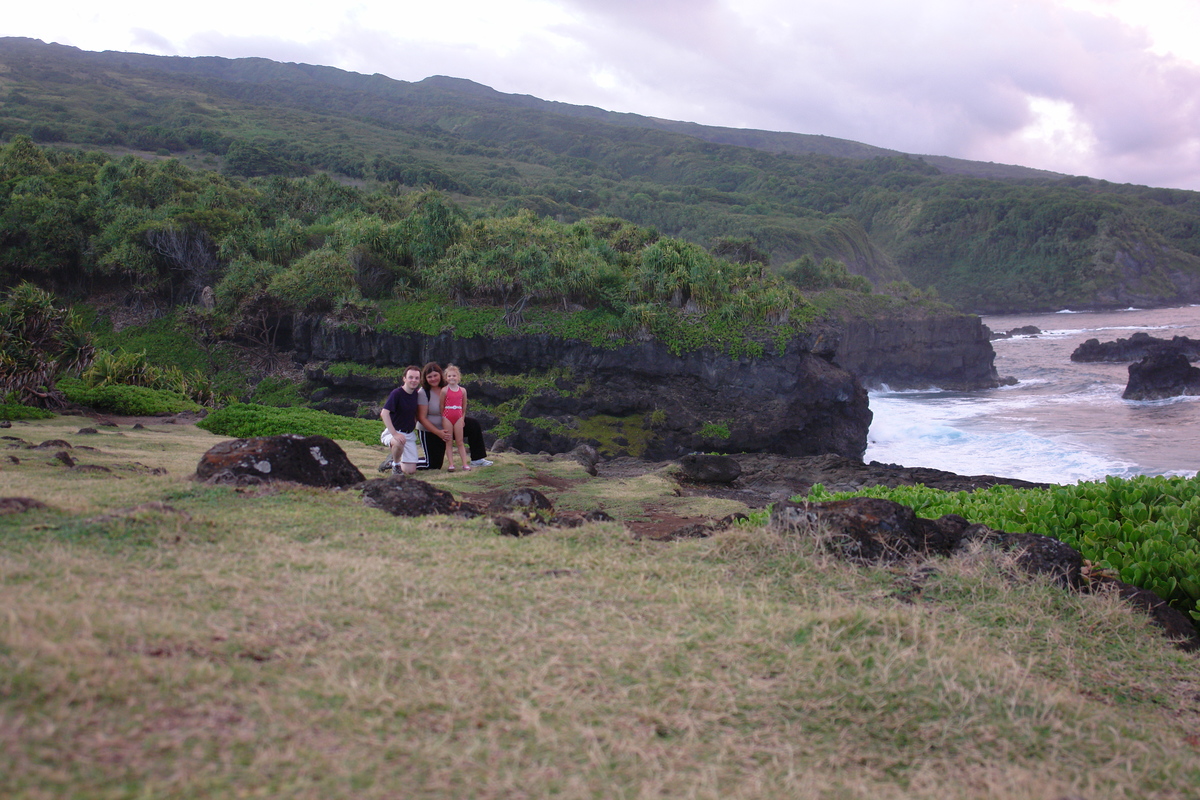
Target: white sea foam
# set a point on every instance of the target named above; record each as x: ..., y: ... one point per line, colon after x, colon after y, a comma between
x: 941, y: 434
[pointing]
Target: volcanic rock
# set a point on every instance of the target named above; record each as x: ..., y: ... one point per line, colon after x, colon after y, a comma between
x: 704, y: 468
x: 1136, y: 347
x: 410, y: 497
x: 1162, y: 374
x: 311, y: 460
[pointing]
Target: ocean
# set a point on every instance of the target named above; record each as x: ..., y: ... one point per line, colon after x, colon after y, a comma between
x: 1062, y: 422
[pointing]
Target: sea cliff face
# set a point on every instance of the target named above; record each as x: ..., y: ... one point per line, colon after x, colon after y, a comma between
x: 947, y: 352
x: 661, y: 405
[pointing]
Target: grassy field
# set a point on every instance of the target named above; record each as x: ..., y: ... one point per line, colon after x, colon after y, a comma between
x: 163, y: 638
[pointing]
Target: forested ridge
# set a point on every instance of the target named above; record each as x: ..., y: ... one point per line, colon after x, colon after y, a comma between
x: 1014, y: 240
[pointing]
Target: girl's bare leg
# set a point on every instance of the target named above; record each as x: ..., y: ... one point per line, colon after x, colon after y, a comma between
x: 449, y: 447
x: 458, y: 440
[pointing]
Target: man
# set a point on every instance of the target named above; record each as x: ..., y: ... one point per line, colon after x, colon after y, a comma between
x: 399, y: 415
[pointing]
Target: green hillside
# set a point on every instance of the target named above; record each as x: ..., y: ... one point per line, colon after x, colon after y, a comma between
x: 986, y: 237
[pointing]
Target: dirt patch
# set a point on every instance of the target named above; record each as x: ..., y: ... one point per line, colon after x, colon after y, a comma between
x: 562, y: 484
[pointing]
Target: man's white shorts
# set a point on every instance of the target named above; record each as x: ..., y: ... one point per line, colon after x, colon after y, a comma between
x: 409, y: 456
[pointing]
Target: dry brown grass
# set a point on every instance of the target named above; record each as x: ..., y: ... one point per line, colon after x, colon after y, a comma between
x: 296, y: 643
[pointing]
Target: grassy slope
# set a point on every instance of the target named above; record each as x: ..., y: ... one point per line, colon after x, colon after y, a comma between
x: 295, y: 643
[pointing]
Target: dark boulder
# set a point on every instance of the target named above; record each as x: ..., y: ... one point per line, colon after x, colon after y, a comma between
x: 1036, y: 554
x: 525, y: 499
x: 874, y: 529
x: 1135, y: 348
x: 311, y: 460
x: 1177, y: 627
x: 1162, y: 374
x: 410, y: 497
x: 704, y: 468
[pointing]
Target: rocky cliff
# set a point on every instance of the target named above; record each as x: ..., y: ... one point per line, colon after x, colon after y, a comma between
x: 950, y: 351
x: 639, y: 398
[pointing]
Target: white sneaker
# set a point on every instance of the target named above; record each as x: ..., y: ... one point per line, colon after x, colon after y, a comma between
x: 481, y: 462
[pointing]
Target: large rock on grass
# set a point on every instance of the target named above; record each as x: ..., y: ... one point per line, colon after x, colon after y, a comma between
x: 874, y: 529
x: 410, y: 497
x: 311, y: 460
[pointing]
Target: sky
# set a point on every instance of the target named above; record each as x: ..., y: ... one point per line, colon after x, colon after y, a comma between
x: 1104, y: 88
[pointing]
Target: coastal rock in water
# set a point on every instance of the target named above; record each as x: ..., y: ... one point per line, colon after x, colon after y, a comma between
x: 311, y: 460
x: 1135, y: 348
x: 1024, y: 330
x: 704, y: 468
x: 1162, y: 374
x: 950, y: 351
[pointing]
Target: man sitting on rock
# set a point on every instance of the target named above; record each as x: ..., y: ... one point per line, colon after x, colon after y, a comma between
x: 399, y: 414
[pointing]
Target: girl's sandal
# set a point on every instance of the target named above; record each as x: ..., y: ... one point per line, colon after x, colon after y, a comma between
x: 466, y: 467
x: 450, y: 468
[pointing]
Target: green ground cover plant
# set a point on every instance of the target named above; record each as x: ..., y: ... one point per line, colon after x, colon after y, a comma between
x: 11, y: 411
x: 126, y: 400
x: 1144, y: 530
x: 244, y: 420
x: 294, y: 642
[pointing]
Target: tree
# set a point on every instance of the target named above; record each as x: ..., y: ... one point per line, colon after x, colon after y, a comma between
x: 39, y: 342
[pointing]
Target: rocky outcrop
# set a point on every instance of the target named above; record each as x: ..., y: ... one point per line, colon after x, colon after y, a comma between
x: 792, y: 403
x: 1135, y: 348
x: 950, y: 351
x: 1160, y: 375
x: 409, y: 497
x: 763, y: 479
x: 874, y: 530
x: 311, y: 460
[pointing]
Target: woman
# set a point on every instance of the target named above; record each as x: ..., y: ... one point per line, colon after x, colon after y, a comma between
x: 429, y: 423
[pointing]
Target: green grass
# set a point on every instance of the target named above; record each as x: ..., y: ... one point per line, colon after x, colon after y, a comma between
x: 293, y: 642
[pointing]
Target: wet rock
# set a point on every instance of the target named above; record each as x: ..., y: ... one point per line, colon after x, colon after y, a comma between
x: 311, y: 460
x: 1135, y: 348
x: 1162, y: 374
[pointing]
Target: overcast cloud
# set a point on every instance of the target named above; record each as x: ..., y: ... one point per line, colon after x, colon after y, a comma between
x: 1107, y: 88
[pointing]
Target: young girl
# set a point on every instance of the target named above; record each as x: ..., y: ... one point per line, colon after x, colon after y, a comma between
x: 454, y: 408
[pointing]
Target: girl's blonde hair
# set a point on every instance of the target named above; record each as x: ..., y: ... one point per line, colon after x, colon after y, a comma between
x: 454, y: 367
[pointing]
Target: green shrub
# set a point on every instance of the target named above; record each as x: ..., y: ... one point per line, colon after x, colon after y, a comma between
x: 1145, y: 530
x: 132, y: 401
x: 245, y: 420
x: 278, y: 392
x: 714, y: 430
x: 11, y: 411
